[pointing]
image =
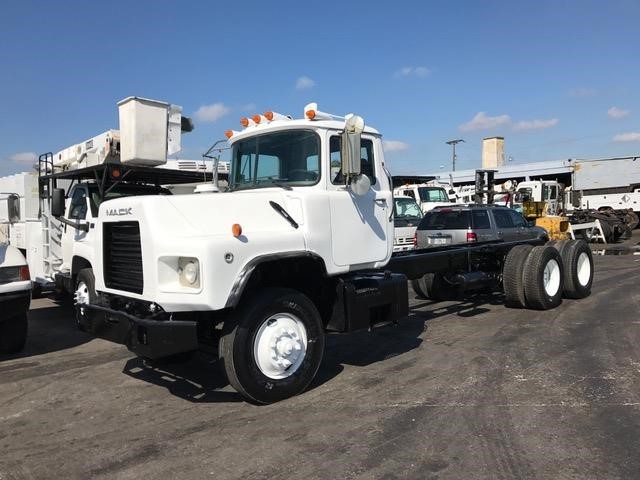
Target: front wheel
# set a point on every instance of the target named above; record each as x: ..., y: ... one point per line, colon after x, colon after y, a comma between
x: 273, y: 345
x: 85, y: 294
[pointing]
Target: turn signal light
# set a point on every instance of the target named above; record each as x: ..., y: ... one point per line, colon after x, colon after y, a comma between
x: 236, y: 230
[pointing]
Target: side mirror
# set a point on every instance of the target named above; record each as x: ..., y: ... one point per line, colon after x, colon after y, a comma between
x: 57, y: 202
x: 360, y: 184
x: 350, y: 149
x: 13, y: 208
x: 576, y: 198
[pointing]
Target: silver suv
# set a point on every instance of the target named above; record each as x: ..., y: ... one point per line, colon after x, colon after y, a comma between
x: 474, y: 223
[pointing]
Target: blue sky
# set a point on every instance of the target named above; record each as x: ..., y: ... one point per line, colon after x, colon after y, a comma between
x: 556, y: 79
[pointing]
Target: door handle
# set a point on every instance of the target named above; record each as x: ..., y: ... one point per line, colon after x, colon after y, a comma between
x: 382, y: 202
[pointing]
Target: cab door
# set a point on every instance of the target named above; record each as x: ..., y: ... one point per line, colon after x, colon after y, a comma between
x: 361, y: 225
x: 78, y: 211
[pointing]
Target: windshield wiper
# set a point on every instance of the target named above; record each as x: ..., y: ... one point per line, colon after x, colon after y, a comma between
x: 282, y: 185
x: 278, y: 208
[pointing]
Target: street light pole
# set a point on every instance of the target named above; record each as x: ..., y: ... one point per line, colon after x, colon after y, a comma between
x: 453, y: 143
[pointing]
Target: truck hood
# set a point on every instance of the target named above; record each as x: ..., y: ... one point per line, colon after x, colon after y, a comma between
x: 210, y: 213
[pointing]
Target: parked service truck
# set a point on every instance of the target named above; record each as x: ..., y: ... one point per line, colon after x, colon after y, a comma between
x: 89, y: 173
x: 428, y: 195
x: 300, y: 245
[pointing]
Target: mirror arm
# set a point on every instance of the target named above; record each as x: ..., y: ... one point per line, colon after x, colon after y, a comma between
x: 80, y: 226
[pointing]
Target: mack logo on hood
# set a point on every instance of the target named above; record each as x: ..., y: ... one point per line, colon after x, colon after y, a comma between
x: 119, y: 211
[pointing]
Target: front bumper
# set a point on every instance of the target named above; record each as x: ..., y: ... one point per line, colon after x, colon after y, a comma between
x: 145, y: 337
x: 14, y: 303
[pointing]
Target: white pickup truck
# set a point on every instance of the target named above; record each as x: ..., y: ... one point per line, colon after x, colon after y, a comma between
x: 15, y: 298
x: 300, y: 244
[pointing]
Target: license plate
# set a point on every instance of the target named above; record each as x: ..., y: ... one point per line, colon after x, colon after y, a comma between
x: 438, y: 240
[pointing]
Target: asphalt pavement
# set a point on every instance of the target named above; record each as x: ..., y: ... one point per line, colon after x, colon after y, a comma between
x: 464, y: 389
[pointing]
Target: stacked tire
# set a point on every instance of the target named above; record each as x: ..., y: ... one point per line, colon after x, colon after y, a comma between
x: 539, y: 277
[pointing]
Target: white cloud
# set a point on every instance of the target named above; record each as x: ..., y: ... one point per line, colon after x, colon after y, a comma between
x: 525, y: 125
x: 483, y: 122
x: 627, y: 137
x: 615, y: 112
x: 582, y: 92
x: 211, y: 113
x: 394, y: 145
x: 24, y: 157
x: 420, y: 72
x: 305, y: 83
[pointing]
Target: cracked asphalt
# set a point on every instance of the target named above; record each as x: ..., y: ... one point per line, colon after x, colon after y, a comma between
x: 460, y: 389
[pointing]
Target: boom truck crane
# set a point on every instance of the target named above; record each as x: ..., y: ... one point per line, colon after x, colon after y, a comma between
x: 59, y: 244
x: 258, y: 274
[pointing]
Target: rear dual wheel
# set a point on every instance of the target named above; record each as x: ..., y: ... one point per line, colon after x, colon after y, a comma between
x: 532, y: 277
x: 543, y: 278
x: 512, y: 277
x: 578, y: 269
x: 538, y: 277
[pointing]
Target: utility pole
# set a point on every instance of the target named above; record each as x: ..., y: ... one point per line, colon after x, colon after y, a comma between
x: 453, y: 143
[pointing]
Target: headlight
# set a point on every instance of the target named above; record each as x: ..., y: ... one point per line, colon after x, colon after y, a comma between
x: 189, y: 270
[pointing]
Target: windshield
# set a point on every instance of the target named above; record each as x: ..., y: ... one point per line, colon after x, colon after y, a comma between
x: 406, y: 208
x: 523, y: 194
x: 433, y: 194
x: 290, y: 158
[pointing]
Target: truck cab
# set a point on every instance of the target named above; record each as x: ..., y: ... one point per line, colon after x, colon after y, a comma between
x: 428, y: 195
x: 284, y: 200
x: 547, y: 191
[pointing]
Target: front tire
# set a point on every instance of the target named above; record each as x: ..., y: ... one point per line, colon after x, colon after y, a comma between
x: 13, y: 333
x: 273, y: 345
x: 85, y: 293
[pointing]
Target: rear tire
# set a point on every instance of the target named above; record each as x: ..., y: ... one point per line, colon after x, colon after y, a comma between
x: 543, y: 278
x: 512, y: 276
x: 273, y: 345
x: 13, y: 333
x: 577, y: 260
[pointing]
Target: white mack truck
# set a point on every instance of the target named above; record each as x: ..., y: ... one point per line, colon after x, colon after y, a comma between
x: 294, y: 249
